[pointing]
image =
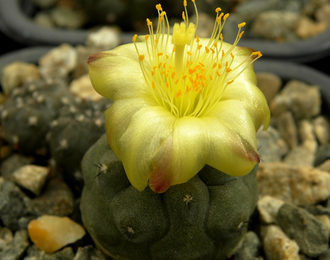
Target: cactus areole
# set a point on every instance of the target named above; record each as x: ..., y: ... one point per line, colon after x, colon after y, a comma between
x: 183, y: 123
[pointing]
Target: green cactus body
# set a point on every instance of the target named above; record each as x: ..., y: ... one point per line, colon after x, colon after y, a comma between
x: 200, y: 219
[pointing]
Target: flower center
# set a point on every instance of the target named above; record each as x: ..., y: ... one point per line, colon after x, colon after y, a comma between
x: 189, y: 78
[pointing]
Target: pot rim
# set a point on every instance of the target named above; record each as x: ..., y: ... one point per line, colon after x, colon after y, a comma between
x: 24, y: 30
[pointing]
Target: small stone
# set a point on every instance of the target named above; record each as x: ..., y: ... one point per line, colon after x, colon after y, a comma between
x: 322, y: 14
x: 269, y: 83
x: 300, y: 156
x: 304, y: 101
x: 269, y: 147
x: 287, y: 128
x: 105, y: 38
x: 58, y: 62
x: 325, y: 220
x: 17, y: 247
x: 44, y: 19
x: 325, y: 166
x: 18, y: 73
x: 89, y: 253
x: 297, y: 184
x: 249, y: 247
x: 275, y: 25
x: 31, y: 177
x: 50, y: 233
x: 277, y: 245
x: 268, y: 208
x: 307, y: 28
x: 309, y: 233
x: 12, y: 164
x: 82, y: 87
x: 56, y: 199
x: 322, y: 154
x: 321, y: 128
x: 13, y: 205
x: 66, y: 18
x: 306, y: 135
x: 6, y: 236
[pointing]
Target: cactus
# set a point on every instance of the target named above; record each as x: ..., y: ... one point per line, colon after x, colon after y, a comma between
x: 201, y: 219
x: 28, y: 112
x: 71, y: 134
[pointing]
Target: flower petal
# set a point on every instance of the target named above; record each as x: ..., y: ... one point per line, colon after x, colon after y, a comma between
x: 115, y: 76
x: 182, y: 154
x: 146, y: 131
x: 229, y: 151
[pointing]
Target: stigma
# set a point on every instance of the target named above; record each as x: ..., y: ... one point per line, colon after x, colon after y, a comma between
x: 185, y: 76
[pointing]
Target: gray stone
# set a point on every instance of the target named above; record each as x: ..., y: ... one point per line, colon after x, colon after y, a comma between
x: 13, y: 205
x: 300, y: 156
x: 268, y: 145
x: 106, y: 38
x: 276, y: 25
x: 34, y: 253
x: 6, y: 236
x: 287, y: 128
x: 268, y: 208
x: 89, y: 253
x: 309, y: 233
x: 322, y: 154
x: 249, y: 248
x: 306, y: 135
x: 304, y: 101
x: 56, y: 199
x: 66, y: 18
x: 16, y: 249
x: 269, y: 83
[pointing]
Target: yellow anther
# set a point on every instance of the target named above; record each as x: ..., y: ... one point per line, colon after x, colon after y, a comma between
x: 159, y: 7
x: 162, y: 13
x: 241, y: 34
x: 134, y: 38
x: 183, y: 16
x: 141, y: 57
x: 241, y: 25
x: 207, y: 49
x: 156, y: 40
x: 258, y: 53
x: 160, y: 19
x: 226, y: 16
x: 197, y: 38
x: 213, y: 51
x: 184, y: 2
x: 199, y: 46
x: 223, y: 53
x: 153, y: 85
x: 149, y: 23
x: 193, y: 1
x: 178, y: 94
x: 218, y: 9
x: 160, y: 54
x: 231, y: 81
x: 189, y: 53
x: 210, y: 77
x: 232, y: 55
x: 218, y: 19
x: 218, y: 73
x: 214, y: 65
x: 146, y: 37
x: 221, y: 36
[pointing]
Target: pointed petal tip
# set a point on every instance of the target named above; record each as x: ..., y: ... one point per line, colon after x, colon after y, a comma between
x: 159, y: 182
x: 97, y: 56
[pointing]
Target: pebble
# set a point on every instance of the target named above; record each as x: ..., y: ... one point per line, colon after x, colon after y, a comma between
x: 50, y: 233
x: 302, y: 100
x: 287, y: 128
x: 106, y: 38
x: 322, y: 154
x: 16, y: 74
x: 269, y: 83
x: 31, y: 177
x: 16, y: 248
x: 82, y: 87
x: 59, y: 62
x: 13, y: 205
x: 307, y: 28
x: 34, y: 253
x: 89, y: 253
x: 12, y: 164
x: 306, y: 135
x: 275, y: 25
x: 297, y: 184
x: 66, y: 18
x: 309, y: 233
x: 277, y: 245
x: 268, y: 208
x: 300, y: 156
x: 269, y: 145
x: 249, y: 247
x: 6, y: 236
x: 321, y: 128
x: 325, y: 220
x: 56, y: 199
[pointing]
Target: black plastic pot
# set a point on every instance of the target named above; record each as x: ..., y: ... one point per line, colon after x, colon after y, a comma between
x: 15, y: 22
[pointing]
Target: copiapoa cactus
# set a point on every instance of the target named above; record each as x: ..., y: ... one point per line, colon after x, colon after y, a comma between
x: 178, y: 179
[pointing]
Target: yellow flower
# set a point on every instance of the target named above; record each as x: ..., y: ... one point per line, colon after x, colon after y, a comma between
x: 180, y: 102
